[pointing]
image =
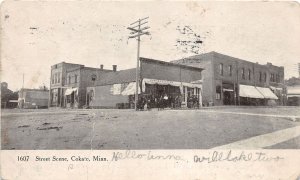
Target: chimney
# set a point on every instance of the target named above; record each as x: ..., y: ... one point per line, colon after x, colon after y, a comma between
x: 114, y: 68
x: 101, y: 66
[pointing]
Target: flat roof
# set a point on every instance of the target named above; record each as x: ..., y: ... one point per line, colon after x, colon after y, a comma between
x: 170, y: 63
x: 212, y: 53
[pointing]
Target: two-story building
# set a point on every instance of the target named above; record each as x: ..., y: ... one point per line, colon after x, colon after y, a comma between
x: 77, y: 81
x: 68, y: 77
x: 57, y: 83
x: 233, y: 81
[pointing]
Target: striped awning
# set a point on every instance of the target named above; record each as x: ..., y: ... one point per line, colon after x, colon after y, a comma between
x: 250, y: 92
x: 267, y: 93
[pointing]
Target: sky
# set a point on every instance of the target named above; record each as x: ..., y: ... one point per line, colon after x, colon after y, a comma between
x: 36, y: 35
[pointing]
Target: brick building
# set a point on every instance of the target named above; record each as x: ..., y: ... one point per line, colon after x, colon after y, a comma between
x: 157, y: 79
x: 232, y: 81
x: 57, y: 83
x: 67, y: 78
x: 77, y: 80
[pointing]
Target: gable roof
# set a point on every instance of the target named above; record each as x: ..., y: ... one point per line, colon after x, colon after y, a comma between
x: 117, y: 77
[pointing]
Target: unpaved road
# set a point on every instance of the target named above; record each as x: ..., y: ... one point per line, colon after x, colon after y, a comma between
x: 127, y: 129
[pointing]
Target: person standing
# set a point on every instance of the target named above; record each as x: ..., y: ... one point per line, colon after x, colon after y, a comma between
x: 165, y: 100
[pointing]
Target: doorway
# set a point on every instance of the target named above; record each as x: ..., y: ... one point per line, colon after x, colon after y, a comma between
x: 228, y: 93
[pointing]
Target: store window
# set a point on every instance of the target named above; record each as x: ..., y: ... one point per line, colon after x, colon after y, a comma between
x: 190, y: 91
x: 198, y: 92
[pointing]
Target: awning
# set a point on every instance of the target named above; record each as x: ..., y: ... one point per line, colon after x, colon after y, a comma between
x: 267, y: 93
x: 161, y: 82
x: 130, y: 89
x: 194, y: 84
x: 69, y: 91
x: 250, y: 92
x: 197, y: 81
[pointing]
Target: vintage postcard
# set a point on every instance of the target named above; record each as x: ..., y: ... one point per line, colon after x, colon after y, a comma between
x: 150, y: 90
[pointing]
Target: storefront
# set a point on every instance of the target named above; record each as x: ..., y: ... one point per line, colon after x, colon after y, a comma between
x: 172, y: 94
x: 161, y: 85
x: 54, y: 98
x: 71, y: 97
x: 280, y: 92
x: 251, y: 95
x: 229, y: 93
x: 293, y: 95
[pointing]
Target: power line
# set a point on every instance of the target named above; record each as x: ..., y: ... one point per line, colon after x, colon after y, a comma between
x: 136, y: 32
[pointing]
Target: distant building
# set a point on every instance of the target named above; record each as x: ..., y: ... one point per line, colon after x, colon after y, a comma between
x: 7, y: 96
x: 293, y: 91
x: 293, y: 81
x: 232, y: 81
x: 33, y: 98
x: 158, y: 79
x: 66, y: 78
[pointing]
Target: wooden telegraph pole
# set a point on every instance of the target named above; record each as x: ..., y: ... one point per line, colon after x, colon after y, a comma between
x: 136, y: 32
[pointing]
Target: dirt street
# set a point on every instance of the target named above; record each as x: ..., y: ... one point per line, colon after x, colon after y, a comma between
x: 128, y: 129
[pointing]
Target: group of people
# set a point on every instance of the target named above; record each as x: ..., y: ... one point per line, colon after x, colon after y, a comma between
x: 160, y: 101
x: 193, y: 101
x: 147, y: 102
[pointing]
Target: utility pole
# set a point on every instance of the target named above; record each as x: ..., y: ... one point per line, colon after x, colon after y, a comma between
x: 299, y: 69
x: 23, y: 82
x: 136, y: 32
